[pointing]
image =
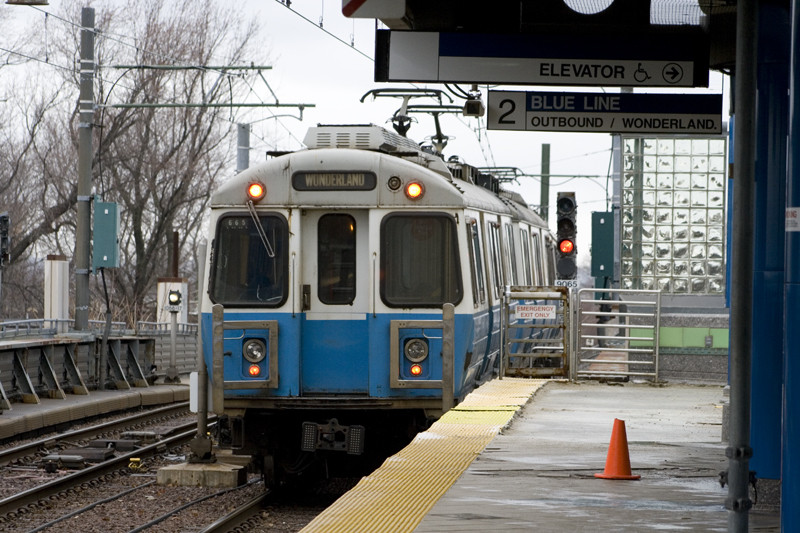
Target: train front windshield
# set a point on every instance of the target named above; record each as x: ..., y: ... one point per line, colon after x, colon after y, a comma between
x: 419, y: 260
x: 249, y: 266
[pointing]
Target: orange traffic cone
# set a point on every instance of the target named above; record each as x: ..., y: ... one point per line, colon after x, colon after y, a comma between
x: 618, y: 463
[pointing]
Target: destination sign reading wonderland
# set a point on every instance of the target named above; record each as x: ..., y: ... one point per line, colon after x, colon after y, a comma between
x: 334, y: 181
x: 605, y: 112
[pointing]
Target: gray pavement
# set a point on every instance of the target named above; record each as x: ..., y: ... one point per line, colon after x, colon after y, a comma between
x: 538, y: 475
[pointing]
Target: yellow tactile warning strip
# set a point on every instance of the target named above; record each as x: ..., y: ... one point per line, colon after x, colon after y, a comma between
x: 398, y: 495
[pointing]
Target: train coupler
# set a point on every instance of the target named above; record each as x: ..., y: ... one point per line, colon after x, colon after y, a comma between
x: 333, y: 436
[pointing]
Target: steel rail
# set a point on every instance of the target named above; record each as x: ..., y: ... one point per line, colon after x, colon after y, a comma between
x: 237, y: 516
x: 36, y: 494
x: 18, y: 452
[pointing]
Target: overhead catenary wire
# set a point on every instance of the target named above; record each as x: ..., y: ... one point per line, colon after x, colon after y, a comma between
x: 288, y: 6
x: 130, y: 42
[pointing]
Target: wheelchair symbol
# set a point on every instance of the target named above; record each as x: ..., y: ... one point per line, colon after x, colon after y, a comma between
x: 640, y: 74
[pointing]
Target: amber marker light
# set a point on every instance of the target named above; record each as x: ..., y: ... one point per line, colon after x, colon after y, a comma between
x: 416, y: 370
x: 256, y: 191
x: 254, y: 370
x: 414, y: 190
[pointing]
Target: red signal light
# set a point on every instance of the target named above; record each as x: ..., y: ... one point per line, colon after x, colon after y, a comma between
x: 254, y: 370
x: 416, y: 370
x: 566, y: 246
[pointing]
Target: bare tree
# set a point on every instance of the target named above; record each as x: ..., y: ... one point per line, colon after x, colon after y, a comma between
x: 159, y: 164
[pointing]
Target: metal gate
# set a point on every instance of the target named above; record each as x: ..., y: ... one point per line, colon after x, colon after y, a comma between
x: 536, y: 323
x: 618, y: 333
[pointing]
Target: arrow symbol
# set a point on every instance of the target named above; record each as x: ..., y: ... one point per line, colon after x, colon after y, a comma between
x: 673, y: 73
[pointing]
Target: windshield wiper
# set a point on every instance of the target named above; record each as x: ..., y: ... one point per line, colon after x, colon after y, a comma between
x: 260, y: 229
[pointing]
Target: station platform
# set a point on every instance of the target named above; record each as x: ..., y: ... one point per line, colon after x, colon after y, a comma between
x: 520, y: 455
x: 28, y: 417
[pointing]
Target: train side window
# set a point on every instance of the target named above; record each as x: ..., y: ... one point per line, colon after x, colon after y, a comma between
x: 511, y: 256
x: 526, y: 257
x: 537, y: 261
x: 476, y: 263
x: 494, y: 257
x: 243, y: 271
x: 336, y: 259
x: 551, y: 262
x: 419, y: 260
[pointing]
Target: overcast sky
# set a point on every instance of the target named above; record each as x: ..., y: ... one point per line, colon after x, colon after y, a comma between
x: 313, y: 62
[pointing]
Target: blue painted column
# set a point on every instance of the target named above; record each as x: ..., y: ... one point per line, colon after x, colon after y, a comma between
x: 768, y: 254
x: 790, y: 497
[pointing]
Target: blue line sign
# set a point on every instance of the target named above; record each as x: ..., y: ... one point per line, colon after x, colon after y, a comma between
x: 605, y: 112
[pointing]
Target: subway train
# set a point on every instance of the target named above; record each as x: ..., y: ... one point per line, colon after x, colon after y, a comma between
x: 353, y: 293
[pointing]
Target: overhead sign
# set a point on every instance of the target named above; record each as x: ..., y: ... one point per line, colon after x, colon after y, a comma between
x: 391, y: 9
x: 605, y: 112
x: 521, y: 59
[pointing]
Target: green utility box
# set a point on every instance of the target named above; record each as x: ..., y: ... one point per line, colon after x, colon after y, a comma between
x: 106, y: 235
x: 603, y: 244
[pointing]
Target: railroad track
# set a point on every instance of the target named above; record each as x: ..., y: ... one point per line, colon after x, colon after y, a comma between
x: 41, y: 492
x: 238, y: 516
x: 31, y: 448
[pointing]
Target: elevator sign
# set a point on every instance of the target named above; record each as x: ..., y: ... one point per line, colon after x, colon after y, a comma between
x: 605, y: 112
x: 563, y: 60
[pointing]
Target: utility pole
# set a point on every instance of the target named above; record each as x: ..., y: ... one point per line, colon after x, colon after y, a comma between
x: 544, y: 192
x: 85, y: 125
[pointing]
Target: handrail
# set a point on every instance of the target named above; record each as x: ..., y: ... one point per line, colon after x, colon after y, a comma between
x: 30, y: 327
x: 164, y: 328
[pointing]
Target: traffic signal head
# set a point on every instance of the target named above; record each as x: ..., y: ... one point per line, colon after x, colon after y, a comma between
x: 566, y: 231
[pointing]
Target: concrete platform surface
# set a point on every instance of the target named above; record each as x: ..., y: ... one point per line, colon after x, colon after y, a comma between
x: 538, y: 474
x: 27, y: 417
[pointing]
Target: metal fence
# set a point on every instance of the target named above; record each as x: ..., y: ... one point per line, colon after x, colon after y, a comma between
x: 48, y: 359
x: 536, y: 331
x: 618, y: 333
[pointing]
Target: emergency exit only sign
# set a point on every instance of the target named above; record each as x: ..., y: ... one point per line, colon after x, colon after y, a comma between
x: 546, y: 312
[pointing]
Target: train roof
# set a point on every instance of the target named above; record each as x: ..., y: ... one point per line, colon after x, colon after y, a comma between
x: 343, y: 148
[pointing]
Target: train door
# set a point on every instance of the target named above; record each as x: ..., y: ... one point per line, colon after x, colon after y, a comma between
x: 494, y: 267
x: 334, y: 285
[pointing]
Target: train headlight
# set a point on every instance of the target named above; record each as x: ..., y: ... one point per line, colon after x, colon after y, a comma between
x: 416, y: 350
x: 256, y: 191
x: 415, y: 190
x: 254, y: 350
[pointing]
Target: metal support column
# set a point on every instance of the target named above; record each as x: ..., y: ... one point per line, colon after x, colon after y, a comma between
x: 768, y: 254
x: 739, y: 451
x: 201, y: 446
x: 790, y: 478
x: 544, y: 189
x: 84, y: 221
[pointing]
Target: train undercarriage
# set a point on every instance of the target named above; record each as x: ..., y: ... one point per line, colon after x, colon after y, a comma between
x: 295, y: 448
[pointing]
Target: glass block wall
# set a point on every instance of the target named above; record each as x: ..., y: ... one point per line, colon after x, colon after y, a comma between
x: 673, y: 215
